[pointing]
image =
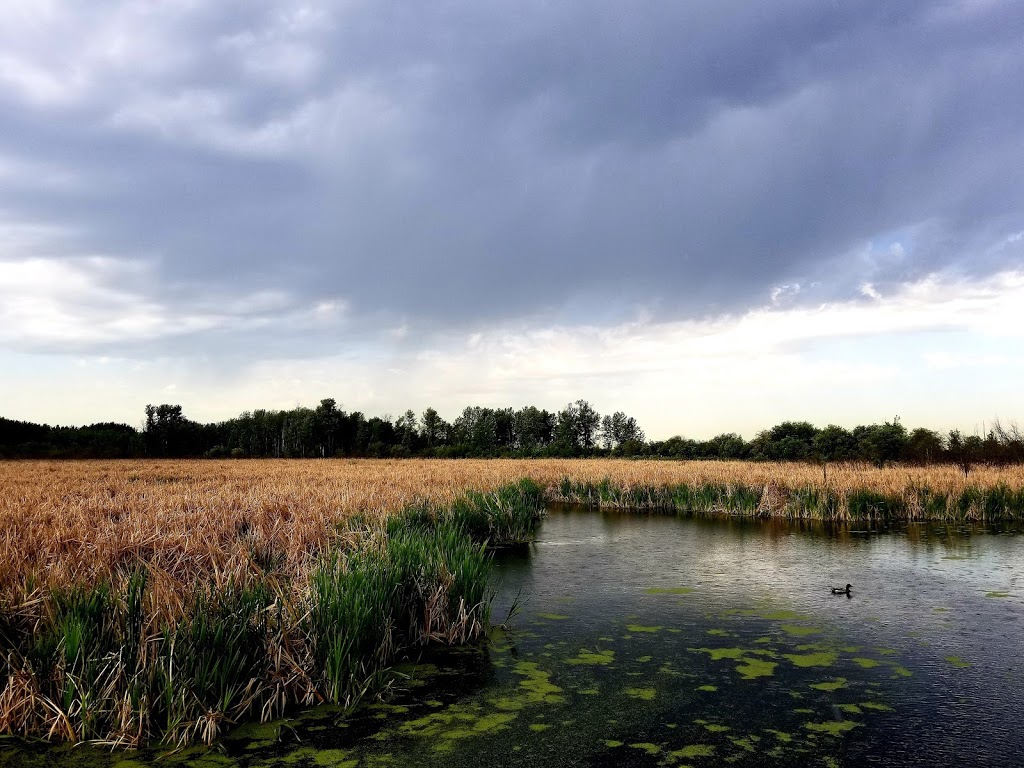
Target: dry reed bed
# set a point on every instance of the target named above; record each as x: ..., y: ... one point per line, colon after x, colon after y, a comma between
x: 67, y: 523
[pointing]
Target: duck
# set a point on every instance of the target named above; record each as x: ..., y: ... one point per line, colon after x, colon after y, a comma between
x: 841, y: 591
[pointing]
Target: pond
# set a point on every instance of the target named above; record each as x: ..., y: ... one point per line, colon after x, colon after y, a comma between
x: 646, y: 640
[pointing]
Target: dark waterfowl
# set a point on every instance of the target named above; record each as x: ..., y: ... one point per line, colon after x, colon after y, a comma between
x: 841, y: 591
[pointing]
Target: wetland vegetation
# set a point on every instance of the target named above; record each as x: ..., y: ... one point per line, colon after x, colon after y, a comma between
x: 172, y: 602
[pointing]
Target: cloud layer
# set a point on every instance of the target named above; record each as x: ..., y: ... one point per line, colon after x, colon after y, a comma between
x: 264, y: 180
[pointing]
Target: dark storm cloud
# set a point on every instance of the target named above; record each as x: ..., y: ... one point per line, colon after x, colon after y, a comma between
x: 453, y: 164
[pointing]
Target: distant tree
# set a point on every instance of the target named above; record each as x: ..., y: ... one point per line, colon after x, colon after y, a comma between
x: 406, y: 430
x: 882, y: 443
x: 588, y: 422
x: 327, y: 420
x: 534, y: 429
x: 727, y: 445
x: 788, y: 441
x: 168, y: 432
x: 923, y: 446
x: 965, y: 452
x: 621, y: 433
x: 432, y: 428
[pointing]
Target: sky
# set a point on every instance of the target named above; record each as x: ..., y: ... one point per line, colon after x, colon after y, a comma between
x: 714, y: 216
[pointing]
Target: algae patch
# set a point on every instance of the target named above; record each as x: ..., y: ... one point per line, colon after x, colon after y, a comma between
x: 641, y: 628
x: 830, y: 686
x: 537, y: 685
x: 798, y: 630
x: 693, y: 750
x: 644, y: 694
x: 832, y: 727
x: 592, y: 658
x: 820, y: 659
x: 754, y: 668
x: 865, y: 662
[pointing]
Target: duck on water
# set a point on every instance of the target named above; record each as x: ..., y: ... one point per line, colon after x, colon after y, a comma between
x: 841, y: 590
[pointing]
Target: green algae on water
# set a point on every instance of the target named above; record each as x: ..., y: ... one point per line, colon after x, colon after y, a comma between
x: 876, y: 706
x: 538, y: 685
x: 648, y: 747
x: 820, y: 659
x: 798, y: 630
x: 693, y: 750
x: 553, y: 616
x: 717, y: 654
x: 865, y: 662
x: 708, y: 688
x: 752, y: 668
x: 832, y: 727
x: 957, y: 662
x: 592, y: 658
x: 645, y: 694
x: 668, y: 591
x: 830, y: 686
x: 642, y: 628
x: 997, y: 594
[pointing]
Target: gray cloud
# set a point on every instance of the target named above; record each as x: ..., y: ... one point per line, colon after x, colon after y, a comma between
x: 451, y: 165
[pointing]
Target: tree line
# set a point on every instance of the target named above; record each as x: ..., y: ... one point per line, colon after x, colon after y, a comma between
x: 578, y: 429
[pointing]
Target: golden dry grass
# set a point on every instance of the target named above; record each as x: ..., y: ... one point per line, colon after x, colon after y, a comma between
x: 80, y: 522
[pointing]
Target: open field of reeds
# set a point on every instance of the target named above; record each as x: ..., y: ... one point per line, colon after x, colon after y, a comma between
x: 144, y: 600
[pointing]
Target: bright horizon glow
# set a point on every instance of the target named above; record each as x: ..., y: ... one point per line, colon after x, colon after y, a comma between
x: 695, y: 378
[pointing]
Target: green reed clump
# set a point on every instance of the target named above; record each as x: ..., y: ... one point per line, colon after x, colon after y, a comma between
x: 863, y: 504
x: 350, y: 625
x: 508, y: 515
x: 214, y: 660
x: 1002, y: 502
x: 686, y: 498
x: 92, y: 663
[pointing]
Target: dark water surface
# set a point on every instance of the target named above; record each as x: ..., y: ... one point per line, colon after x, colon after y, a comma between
x: 646, y: 641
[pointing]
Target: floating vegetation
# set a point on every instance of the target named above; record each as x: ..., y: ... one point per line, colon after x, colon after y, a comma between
x: 957, y: 662
x: 820, y: 659
x: 644, y: 694
x: 593, y: 658
x: 997, y: 594
x: 537, y: 684
x: 669, y: 591
x: 865, y: 662
x: 831, y: 685
x: 752, y: 668
x: 832, y: 727
x: 692, y: 751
